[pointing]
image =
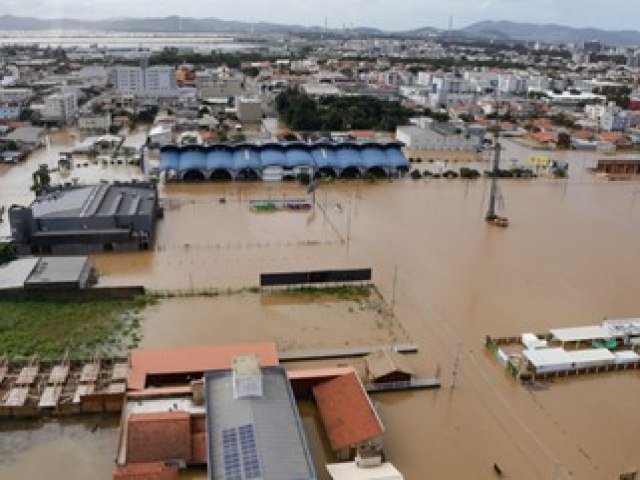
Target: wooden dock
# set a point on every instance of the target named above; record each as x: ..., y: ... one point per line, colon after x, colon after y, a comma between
x: 349, y: 352
x: 414, y: 384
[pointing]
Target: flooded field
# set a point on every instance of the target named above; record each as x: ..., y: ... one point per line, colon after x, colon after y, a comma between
x: 294, y: 321
x: 570, y: 257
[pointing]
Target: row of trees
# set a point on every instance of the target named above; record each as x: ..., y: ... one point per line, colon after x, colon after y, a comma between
x: 301, y: 112
x: 173, y: 56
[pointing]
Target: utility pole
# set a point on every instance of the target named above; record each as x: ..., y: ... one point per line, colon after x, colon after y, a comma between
x: 456, y: 365
x: 395, y: 285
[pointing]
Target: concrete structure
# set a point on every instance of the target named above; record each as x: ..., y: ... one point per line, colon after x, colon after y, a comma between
x: 68, y: 273
x: 276, y: 161
x: 60, y: 107
x: 31, y: 137
x: 87, y: 219
x: 94, y: 122
x: 259, y: 436
x: 157, y: 82
x: 15, y: 95
x: 437, y: 138
x: 249, y: 110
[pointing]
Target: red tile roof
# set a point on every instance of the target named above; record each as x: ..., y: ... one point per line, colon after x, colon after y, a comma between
x: 156, y: 437
x: 347, y: 413
x: 146, y: 471
x: 160, y: 361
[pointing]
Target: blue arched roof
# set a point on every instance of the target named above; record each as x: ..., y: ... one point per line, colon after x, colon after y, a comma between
x: 348, y: 156
x: 193, y: 158
x: 170, y: 159
x: 323, y: 156
x: 396, y: 157
x: 270, y: 157
x: 220, y: 158
x: 298, y: 157
x: 375, y: 156
x: 246, y: 157
x: 288, y: 155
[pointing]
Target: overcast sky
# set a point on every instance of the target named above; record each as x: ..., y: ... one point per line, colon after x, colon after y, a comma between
x: 386, y: 14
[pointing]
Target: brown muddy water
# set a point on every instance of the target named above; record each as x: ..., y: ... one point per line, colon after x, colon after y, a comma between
x: 570, y: 257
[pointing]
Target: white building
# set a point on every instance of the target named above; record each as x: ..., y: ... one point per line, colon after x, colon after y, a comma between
x: 93, y: 75
x: 157, y: 81
x: 15, y: 95
x: 60, y: 107
x: 93, y: 122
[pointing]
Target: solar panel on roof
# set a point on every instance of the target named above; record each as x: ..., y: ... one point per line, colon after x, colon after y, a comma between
x: 231, y: 456
x: 250, y: 463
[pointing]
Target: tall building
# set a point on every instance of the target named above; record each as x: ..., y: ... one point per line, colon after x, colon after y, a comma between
x: 60, y: 107
x: 157, y: 81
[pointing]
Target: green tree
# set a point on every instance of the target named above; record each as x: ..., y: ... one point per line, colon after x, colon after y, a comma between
x: 41, y: 179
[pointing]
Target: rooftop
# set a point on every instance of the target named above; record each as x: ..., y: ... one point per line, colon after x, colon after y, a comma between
x: 58, y: 270
x: 347, y: 412
x: 350, y: 471
x: 15, y: 273
x: 577, y: 334
x: 257, y: 437
x: 163, y: 361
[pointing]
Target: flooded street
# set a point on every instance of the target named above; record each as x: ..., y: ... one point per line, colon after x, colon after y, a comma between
x: 570, y: 257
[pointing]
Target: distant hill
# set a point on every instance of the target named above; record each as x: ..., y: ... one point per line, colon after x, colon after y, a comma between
x: 553, y: 33
x: 163, y: 24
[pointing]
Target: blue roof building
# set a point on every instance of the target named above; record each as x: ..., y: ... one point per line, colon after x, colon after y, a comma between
x: 246, y: 161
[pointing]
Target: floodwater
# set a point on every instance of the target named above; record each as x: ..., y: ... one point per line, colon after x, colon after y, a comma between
x: 570, y: 257
x: 205, y: 42
x: 69, y: 450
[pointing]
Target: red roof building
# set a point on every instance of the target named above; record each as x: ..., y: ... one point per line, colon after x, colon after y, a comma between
x: 347, y: 412
x: 156, y: 437
x: 146, y: 471
x: 192, y: 361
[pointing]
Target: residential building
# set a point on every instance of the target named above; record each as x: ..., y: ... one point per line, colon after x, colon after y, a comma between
x: 143, y: 81
x: 60, y: 107
x: 94, y: 122
x: 15, y: 95
x: 249, y: 110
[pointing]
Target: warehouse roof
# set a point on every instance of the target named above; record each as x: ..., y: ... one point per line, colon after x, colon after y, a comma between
x: 576, y: 334
x: 15, y: 273
x: 58, y: 270
x: 257, y: 436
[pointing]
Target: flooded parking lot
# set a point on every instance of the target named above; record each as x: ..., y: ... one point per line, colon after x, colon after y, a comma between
x: 568, y: 258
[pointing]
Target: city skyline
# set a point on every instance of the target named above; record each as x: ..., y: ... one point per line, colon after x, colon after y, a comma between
x: 365, y: 13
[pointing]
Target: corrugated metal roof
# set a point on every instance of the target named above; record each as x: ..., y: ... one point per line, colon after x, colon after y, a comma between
x: 278, y: 447
x: 159, y: 361
x: 347, y: 413
x: 574, y: 334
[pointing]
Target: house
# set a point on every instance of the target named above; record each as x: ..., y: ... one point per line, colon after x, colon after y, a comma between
x: 387, y: 366
x: 29, y: 137
x: 350, y: 419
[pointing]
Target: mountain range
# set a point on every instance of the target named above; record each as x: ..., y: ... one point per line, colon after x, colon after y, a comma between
x: 498, y: 30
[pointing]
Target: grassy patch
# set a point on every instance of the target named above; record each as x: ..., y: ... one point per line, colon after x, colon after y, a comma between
x: 51, y: 328
x: 354, y: 293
